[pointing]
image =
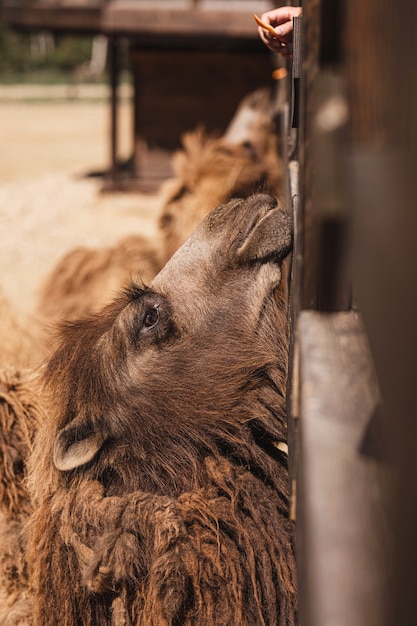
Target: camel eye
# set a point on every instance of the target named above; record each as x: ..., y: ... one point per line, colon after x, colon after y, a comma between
x: 151, y: 317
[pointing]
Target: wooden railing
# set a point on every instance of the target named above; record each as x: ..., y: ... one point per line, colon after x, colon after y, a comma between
x: 353, y: 424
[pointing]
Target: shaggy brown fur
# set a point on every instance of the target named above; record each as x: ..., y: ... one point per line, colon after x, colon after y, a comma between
x: 160, y: 497
x: 19, y: 419
x: 22, y: 337
x: 86, y: 279
x: 210, y: 171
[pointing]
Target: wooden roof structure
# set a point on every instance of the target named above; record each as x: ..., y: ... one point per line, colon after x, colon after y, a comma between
x: 168, y: 40
x: 178, y: 18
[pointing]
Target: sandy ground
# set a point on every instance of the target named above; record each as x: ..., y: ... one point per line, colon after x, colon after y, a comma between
x: 51, y: 138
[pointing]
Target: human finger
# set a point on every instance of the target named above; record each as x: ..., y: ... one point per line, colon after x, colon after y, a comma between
x: 271, y: 42
x: 284, y: 30
x: 275, y: 45
x: 281, y: 15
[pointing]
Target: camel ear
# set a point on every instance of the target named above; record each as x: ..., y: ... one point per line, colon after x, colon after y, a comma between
x: 74, y: 446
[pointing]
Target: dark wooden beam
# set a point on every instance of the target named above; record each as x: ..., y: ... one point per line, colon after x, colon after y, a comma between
x: 342, y: 509
x: 125, y: 17
x: 54, y: 17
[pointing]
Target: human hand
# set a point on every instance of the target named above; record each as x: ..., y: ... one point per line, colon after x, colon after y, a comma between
x: 281, y: 20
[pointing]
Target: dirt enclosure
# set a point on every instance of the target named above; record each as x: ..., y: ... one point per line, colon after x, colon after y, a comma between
x: 51, y: 138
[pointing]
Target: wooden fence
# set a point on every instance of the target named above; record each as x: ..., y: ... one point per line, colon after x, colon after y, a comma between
x: 352, y: 181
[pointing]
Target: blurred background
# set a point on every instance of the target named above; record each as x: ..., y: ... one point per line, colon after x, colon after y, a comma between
x: 94, y: 97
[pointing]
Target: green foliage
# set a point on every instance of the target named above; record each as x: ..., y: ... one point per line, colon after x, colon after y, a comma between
x: 70, y: 52
x: 40, y: 53
x: 14, y: 51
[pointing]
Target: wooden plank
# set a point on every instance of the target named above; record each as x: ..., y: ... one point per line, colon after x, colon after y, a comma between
x: 124, y: 16
x: 55, y: 17
x: 382, y: 176
x: 341, y: 512
x: 384, y: 189
x: 323, y: 116
x: 311, y: 42
x: 294, y: 309
x: 114, y: 70
x: 375, y: 72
